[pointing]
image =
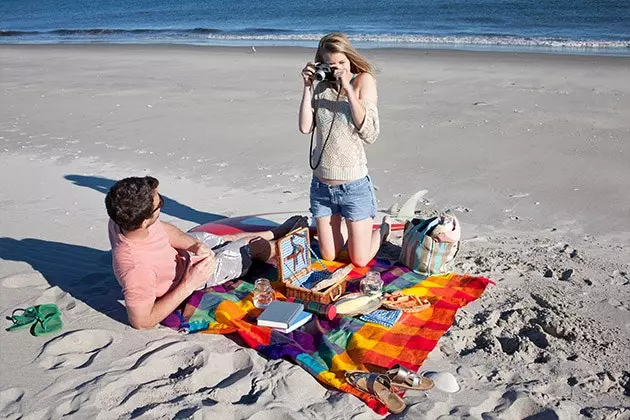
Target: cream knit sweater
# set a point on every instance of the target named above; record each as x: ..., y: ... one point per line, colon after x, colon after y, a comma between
x: 344, y: 157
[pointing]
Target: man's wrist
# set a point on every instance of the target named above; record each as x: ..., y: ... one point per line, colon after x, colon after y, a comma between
x: 186, y: 287
x: 196, y: 244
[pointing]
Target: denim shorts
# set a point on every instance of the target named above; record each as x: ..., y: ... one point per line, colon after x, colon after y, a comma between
x: 354, y: 200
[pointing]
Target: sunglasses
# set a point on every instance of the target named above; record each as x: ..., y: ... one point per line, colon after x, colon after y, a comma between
x: 160, y: 204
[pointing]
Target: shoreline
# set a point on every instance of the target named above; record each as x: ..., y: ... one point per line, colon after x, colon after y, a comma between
x: 615, y: 53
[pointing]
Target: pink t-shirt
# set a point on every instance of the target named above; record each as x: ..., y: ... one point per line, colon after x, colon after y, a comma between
x: 146, y: 269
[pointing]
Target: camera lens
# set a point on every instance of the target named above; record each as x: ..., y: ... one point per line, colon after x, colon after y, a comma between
x: 320, y: 75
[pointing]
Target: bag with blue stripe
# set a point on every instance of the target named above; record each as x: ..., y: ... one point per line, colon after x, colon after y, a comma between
x: 429, y: 246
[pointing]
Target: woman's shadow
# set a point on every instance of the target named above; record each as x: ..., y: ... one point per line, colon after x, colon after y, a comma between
x: 171, y: 207
x: 83, y: 272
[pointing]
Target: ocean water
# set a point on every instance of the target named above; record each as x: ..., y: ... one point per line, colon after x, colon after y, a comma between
x: 566, y: 26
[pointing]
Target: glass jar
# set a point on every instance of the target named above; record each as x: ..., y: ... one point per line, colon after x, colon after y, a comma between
x: 372, y: 284
x: 263, y: 293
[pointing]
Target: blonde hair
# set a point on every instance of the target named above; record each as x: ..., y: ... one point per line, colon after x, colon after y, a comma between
x: 338, y: 43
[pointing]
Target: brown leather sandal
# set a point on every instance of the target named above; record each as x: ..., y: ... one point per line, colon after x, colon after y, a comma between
x: 377, y: 385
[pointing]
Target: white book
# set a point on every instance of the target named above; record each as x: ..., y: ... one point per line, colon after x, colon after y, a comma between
x: 280, y: 314
x: 301, y: 319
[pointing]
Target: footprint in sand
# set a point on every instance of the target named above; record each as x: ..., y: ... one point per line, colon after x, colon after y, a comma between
x: 166, y: 369
x: 28, y: 279
x: 174, y: 368
x: 230, y: 373
x: 74, y: 350
x: 517, y: 404
x: 63, y: 300
x: 173, y: 374
x: 11, y: 403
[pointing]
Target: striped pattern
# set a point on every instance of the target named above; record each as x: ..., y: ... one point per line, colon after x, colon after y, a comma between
x: 327, y: 349
x: 291, y: 267
x: 423, y: 254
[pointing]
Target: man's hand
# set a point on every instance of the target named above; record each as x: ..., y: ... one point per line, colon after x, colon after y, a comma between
x: 200, y: 249
x: 198, y: 274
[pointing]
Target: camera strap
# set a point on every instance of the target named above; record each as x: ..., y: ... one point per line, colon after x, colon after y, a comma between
x: 310, y: 153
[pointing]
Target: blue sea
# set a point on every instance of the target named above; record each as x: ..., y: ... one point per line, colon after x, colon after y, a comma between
x: 562, y: 26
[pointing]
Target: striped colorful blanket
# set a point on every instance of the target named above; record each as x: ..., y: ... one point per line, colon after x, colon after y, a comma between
x: 327, y: 349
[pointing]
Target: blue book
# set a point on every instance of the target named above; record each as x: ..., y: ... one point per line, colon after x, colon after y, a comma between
x: 300, y: 320
x: 280, y: 314
x: 382, y: 317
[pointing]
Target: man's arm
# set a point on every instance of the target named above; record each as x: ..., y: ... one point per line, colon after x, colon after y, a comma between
x: 178, y: 239
x: 145, y: 316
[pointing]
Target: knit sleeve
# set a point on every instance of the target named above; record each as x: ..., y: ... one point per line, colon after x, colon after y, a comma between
x: 371, y: 127
x: 317, y: 93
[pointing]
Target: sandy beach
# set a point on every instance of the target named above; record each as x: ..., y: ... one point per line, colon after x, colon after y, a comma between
x: 531, y: 151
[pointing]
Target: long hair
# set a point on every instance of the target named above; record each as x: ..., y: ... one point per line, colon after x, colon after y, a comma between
x: 338, y: 43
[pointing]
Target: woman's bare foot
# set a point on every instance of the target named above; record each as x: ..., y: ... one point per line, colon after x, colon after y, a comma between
x: 385, y: 228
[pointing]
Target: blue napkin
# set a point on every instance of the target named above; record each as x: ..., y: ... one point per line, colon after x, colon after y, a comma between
x: 382, y: 317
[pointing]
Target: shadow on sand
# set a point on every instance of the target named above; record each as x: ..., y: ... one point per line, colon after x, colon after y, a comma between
x: 171, y: 207
x: 85, y: 273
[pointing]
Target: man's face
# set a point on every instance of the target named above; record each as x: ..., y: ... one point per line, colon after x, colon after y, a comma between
x: 158, y: 203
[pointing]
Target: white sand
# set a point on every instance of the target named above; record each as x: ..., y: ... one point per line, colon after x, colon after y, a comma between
x: 531, y: 150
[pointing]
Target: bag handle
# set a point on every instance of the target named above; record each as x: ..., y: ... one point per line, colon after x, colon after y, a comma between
x: 423, y: 227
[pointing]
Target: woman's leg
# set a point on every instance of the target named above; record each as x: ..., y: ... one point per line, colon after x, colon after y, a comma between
x: 330, y: 235
x: 363, y: 242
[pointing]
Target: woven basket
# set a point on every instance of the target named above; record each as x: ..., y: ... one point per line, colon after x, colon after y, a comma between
x: 331, y: 295
x: 294, y: 264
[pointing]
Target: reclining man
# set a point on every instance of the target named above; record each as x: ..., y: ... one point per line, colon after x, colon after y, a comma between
x: 159, y: 266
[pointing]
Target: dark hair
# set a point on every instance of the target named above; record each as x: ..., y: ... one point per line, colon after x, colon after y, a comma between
x: 130, y: 201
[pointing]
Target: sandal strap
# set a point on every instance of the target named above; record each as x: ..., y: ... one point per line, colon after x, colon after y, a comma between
x: 44, y: 320
x: 373, y: 378
x: 401, y: 375
x: 29, y: 312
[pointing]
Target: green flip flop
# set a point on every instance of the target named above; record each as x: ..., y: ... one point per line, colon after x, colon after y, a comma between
x: 48, y: 320
x: 43, y: 319
x: 24, y: 320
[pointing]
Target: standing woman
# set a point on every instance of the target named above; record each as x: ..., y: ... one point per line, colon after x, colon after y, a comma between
x: 342, y: 111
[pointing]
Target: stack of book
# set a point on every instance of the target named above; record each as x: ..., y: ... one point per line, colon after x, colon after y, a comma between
x: 284, y: 316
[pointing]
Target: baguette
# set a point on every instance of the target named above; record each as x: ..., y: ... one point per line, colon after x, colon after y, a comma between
x: 336, y: 277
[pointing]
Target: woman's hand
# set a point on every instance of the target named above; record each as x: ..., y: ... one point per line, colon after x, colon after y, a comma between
x: 343, y: 76
x: 308, y: 73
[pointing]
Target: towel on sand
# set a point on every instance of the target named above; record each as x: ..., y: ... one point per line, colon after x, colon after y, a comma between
x: 327, y: 349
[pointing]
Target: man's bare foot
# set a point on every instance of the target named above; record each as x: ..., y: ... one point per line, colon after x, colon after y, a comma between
x: 385, y: 228
x: 292, y: 223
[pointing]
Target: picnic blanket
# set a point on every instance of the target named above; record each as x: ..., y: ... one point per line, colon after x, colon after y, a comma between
x: 327, y: 349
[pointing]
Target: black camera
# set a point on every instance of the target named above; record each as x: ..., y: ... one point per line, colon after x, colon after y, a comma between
x: 323, y: 72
